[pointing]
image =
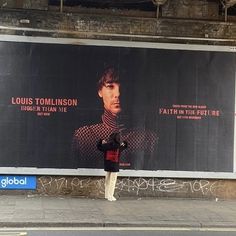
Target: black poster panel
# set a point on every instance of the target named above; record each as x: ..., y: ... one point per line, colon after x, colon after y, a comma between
x: 175, y: 108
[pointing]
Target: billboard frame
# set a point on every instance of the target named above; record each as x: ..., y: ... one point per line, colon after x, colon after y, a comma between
x: 131, y: 173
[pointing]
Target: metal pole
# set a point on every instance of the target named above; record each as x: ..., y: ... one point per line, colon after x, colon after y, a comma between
x: 61, y: 6
x: 158, y: 11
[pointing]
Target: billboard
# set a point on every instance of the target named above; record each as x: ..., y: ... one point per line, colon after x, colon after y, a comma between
x: 175, y: 108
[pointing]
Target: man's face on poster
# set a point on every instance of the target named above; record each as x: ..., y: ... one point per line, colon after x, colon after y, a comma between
x: 110, y: 94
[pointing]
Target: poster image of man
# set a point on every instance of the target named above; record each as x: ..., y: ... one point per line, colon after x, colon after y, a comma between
x: 141, y: 142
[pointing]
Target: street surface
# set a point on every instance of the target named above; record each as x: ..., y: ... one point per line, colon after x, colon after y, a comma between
x: 118, y: 232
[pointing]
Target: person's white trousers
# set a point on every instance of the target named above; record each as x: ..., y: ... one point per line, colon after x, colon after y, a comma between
x: 110, y: 184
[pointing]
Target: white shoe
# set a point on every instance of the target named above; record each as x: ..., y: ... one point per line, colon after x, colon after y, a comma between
x: 111, y: 199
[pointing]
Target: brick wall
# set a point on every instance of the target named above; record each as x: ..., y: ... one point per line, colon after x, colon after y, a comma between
x: 65, y: 25
x: 191, y: 9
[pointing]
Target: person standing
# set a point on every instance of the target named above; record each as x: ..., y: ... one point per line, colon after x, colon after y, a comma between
x: 112, y: 150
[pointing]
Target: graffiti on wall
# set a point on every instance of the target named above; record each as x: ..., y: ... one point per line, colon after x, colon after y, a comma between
x: 94, y: 186
x: 168, y: 185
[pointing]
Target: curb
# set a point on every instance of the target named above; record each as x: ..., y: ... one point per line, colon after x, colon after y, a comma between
x: 161, y: 224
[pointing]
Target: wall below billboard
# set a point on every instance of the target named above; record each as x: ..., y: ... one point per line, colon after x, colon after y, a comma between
x: 137, y: 187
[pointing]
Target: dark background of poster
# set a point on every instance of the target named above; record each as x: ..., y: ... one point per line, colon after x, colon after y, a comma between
x: 151, y: 78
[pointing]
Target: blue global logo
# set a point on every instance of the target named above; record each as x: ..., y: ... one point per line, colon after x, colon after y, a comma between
x: 17, y: 182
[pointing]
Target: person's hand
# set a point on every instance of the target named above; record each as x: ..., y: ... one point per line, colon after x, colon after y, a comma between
x: 123, y: 144
x: 104, y: 141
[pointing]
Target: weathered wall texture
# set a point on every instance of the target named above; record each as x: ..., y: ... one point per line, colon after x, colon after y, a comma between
x: 27, y: 4
x: 116, y: 28
x: 201, y: 9
x: 137, y: 187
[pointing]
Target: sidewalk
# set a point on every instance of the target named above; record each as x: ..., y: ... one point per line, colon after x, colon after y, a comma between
x: 38, y: 211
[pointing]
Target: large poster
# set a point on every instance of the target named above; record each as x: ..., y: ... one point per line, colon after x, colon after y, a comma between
x: 175, y: 108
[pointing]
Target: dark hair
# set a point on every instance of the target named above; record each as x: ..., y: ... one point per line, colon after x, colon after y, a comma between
x: 110, y: 75
x: 114, y: 137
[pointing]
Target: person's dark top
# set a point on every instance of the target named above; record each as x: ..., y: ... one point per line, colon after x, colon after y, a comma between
x: 112, y: 150
x: 142, y: 144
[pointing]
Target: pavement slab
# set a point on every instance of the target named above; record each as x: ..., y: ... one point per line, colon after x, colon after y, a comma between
x: 46, y: 211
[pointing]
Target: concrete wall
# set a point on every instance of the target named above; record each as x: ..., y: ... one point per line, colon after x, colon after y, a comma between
x: 181, y: 21
x: 135, y: 187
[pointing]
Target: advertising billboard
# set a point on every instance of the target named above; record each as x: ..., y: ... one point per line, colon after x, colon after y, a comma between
x: 175, y: 108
